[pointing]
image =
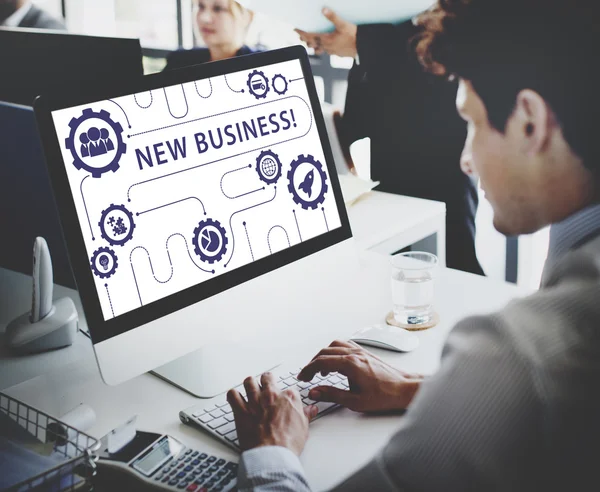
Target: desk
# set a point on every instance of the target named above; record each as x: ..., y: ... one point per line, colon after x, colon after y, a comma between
x: 382, y: 222
x: 352, y: 438
x: 386, y: 223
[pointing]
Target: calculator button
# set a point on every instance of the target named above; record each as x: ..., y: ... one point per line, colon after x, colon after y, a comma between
x: 194, y: 454
x: 213, y: 468
x: 212, y: 459
x: 222, y: 472
x: 188, y: 468
x: 218, y: 488
x: 203, y: 456
x: 221, y: 462
x: 231, y: 466
x: 206, y: 464
x: 175, y: 481
x: 187, y: 460
x: 188, y: 451
x: 166, y: 479
x: 192, y: 487
x: 180, y: 475
x: 182, y: 485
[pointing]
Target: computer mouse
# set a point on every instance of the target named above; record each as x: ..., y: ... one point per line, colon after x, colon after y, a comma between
x: 387, y: 337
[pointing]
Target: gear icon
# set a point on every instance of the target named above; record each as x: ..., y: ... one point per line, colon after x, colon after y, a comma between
x: 283, y: 83
x: 258, y: 84
x: 268, y: 167
x: 72, y: 145
x: 307, y: 183
x: 104, y: 262
x: 116, y: 225
x: 210, y: 241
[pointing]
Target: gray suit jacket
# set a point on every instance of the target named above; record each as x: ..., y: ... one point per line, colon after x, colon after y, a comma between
x: 39, y: 19
x: 515, y: 405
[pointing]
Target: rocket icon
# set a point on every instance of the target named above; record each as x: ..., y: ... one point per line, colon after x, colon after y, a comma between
x: 306, y: 185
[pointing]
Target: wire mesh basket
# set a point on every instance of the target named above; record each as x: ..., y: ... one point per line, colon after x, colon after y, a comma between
x: 66, y: 455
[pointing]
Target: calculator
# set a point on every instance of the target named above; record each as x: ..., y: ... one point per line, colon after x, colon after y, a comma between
x: 160, y: 462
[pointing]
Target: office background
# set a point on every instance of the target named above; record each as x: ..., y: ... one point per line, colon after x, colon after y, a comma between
x: 166, y: 25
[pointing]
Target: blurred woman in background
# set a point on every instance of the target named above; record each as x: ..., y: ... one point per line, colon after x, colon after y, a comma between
x: 223, y: 25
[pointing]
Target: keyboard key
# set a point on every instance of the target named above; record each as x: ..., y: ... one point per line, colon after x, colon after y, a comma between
x: 324, y: 405
x: 210, y: 408
x: 227, y: 408
x: 229, y: 417
x: 207, y: 417
x: 232, y: 436
x: 217, y: 423
x: 224, y: 403
x: 226, y: 429
x: 217, y: 413
x: 236, y: 442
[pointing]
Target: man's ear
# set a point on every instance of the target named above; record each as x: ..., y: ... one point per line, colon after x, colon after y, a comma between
x: 533, y: 120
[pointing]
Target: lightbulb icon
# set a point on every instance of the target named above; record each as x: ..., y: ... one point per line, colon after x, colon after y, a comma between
x: 104, y: 262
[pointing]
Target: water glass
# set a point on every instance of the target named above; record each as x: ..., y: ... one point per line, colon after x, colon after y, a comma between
x: 413, y: 275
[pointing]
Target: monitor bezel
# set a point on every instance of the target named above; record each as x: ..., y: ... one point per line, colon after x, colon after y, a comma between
x: 101, y: 329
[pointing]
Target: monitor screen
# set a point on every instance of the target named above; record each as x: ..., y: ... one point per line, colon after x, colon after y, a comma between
x: 181, y: 185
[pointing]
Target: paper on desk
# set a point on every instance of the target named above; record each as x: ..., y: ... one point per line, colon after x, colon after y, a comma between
x: 306, y: 15
x: 354, y: 187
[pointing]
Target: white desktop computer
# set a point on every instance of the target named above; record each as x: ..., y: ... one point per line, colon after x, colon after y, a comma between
x: 201, y: 211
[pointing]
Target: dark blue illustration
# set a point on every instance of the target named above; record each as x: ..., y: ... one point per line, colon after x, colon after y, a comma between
x: 258, y: 84
x: 104, y: 262
x: 268, y: 167
x: 98, y: 140
x: 302, y: 185
x: 116, y: 225
x: 306, y: 185
x: 280, y: 84
x: 210, y: 241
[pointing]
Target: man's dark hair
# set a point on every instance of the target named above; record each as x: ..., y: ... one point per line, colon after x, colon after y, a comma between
x: 505, y: 46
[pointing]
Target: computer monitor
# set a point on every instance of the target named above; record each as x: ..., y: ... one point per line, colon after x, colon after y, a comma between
x: 26, y: 202
x: 38, y: 61
x: 199, y: 206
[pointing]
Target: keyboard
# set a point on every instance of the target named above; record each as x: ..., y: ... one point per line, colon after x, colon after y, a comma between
x: 216, y: 416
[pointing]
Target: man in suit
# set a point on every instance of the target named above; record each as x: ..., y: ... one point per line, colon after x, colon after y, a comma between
x: 409, y: 115
x: 514, y: 405
x: 23, y: 13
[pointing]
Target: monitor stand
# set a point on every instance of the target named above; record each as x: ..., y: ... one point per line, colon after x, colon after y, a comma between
x: 216, y: 368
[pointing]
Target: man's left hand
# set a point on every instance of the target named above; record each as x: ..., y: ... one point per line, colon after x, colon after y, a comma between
x: 270, y: 417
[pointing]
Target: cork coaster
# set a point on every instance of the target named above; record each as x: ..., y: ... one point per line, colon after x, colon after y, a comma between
x: 390, y: 320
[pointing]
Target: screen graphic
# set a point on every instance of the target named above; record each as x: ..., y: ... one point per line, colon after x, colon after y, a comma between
x: 178, y: 185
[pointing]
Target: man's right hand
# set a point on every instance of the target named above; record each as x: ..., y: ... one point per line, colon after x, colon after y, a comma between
x: 375, y: 386
x: 341, y: 42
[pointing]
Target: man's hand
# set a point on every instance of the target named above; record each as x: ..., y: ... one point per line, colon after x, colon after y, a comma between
x: 374, y: 385
x: 270, y: 417
x: 341, y: 42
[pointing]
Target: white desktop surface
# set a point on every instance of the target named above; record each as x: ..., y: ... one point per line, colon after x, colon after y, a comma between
x: 385, y: 223
x: 339, y: 443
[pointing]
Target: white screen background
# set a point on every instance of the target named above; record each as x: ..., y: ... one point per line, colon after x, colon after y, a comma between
x: 171, y: 201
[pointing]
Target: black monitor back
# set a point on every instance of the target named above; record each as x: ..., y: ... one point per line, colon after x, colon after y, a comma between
x: 27, y: 207
x: 35, y: 62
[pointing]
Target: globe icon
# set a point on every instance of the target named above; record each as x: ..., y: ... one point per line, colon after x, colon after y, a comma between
x: 268, y: 167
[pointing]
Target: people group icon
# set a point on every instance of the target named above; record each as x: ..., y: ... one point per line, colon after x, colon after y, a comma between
x: 95, y: 142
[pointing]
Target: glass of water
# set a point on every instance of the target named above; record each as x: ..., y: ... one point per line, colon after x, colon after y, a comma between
x: 413, y: 275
